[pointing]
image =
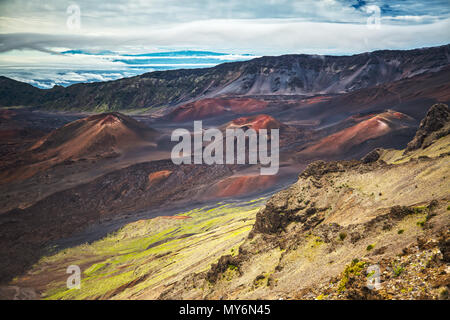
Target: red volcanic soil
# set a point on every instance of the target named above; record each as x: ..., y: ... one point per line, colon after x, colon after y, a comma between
x: 158, y: 176
x: 93, y: 136
x: 175, y: 217
x: 343, y: 140
x: 247, y: 105
x: 96, y: 137
x: 110, y: 119
x: 261, y: 121
x: 398, y: 115
x: 288, y: 134
x: 211, y: 107
x: 316, y: 99
x: 200, y: 109
x: 242, y: 185
x: 359, y: 117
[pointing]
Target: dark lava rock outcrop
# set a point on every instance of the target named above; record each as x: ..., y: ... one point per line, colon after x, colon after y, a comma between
x: 372, y: 156
x: 433, y: 126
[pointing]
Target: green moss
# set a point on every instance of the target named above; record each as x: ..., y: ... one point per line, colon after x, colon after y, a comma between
x: 318, y: 241
x: 232, y: 267
x: 397, y: 269
x: 421, y: 223
x: 420, y: 209
x: 158, y: 247
x: 400, y: 231
x: 231, y: 272
x: 94, y: 268
x: 352, y: 270
x: 262, y: 280
x: 342, y: 236
x: 321, y: 296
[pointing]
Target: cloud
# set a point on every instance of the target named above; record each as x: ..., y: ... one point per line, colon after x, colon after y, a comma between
x: 261, y: 36
x: 234, y: 26
x: 33, y: 33
x: 68, y: 67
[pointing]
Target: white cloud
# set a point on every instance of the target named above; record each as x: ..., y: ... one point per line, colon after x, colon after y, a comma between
x: 33, y: 31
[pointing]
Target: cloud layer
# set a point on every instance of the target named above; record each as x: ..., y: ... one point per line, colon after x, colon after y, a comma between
x: 35, y: 33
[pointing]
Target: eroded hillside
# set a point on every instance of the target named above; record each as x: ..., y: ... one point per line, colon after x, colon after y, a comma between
x: 140, y: 259
x: 318, y: 239
x: 297, y: 74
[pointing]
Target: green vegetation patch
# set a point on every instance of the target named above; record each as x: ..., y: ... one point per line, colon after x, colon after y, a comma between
x: 352, y: 270
x: 397, y: 269
x: 146, y: 253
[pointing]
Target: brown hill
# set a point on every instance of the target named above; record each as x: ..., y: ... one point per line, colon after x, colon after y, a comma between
x: 95, y: 136
x: 370, y: 127
x: 289, y: 135
x: 212, y: 107
x: 241, y: 185
x: 260, y: 121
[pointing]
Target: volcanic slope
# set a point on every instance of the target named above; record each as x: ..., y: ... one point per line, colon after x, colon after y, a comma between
x: 94, y: 138
x: 314, y: 240
x: 318, y: 238
x: 143, y: 254
x: 213, y: 107
x: 284, y: 75
x: 387, y: 125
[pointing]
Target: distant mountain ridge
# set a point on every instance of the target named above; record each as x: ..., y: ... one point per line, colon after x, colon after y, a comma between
x: 297, y: 74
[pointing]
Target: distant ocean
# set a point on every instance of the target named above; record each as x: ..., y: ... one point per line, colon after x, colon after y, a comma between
x: 109, y: 65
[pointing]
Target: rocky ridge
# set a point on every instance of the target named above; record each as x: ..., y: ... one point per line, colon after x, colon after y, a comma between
x: 318, y: 238
x: 296, y: 74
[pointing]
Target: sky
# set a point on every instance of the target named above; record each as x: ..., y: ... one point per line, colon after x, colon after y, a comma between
x: 58, y: 42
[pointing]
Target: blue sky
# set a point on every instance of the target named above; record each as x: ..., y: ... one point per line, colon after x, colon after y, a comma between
x: 63, y: 42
